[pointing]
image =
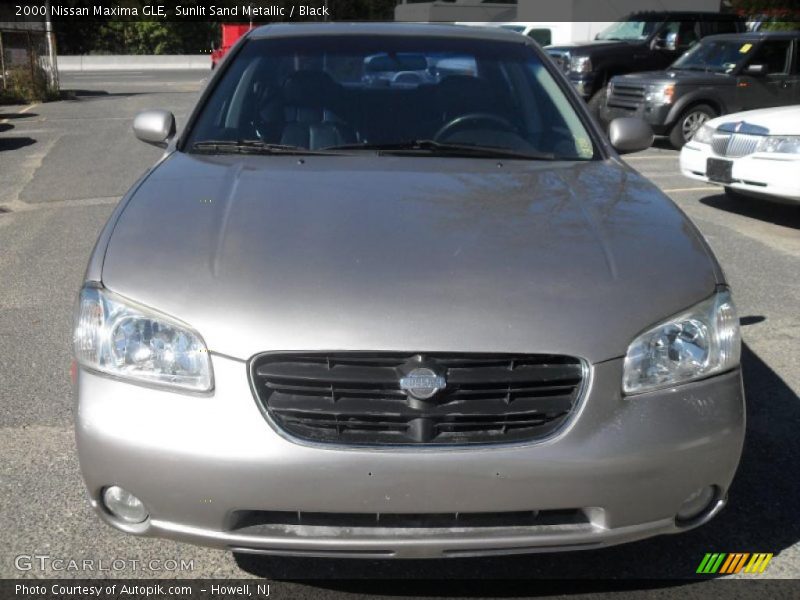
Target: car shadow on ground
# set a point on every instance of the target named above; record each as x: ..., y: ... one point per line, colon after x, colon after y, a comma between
x: 777, y: 213
x: 663, y: 143
x: 70, y: 94
x: 11, y: 116
x: 14, y: 143
x: 761, y: 517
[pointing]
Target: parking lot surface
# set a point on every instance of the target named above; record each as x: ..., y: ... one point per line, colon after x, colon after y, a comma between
x: 63, y: 167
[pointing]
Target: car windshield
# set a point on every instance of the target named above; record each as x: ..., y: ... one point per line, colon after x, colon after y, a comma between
x: 721, y: 56
x: 390, y: 94
x: 629, y: 30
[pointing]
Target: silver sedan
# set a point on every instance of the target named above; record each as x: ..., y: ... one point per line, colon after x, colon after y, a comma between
x: 440, y: 319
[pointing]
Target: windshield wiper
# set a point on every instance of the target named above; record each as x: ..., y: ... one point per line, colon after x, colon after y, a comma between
x: 445, y: 149
x: 250, y: 147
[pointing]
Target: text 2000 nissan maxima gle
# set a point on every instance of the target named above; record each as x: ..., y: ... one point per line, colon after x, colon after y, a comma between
x: 427, y: 314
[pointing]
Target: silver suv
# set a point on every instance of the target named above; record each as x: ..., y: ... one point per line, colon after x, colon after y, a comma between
x: 439, y: 319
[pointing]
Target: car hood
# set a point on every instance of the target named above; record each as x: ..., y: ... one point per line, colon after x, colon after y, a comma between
x: 586, y: 47
x: 783, y: 120
x: 409, y: 254
x: 677, y: 76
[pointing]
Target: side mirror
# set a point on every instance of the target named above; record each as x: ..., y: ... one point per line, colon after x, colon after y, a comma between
x: 756, y: 70
x: 154, y: 127
x: 628, y: 134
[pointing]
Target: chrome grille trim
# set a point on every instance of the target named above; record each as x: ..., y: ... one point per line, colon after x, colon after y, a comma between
x: 735, y: 145
x: 626, y: 95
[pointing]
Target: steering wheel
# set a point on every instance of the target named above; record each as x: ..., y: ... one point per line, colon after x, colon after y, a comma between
x: 407, y: 78
x: 461, y: 120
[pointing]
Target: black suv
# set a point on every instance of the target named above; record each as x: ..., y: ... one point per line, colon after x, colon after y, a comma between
x: 641, y: 42
x: 722, y: 74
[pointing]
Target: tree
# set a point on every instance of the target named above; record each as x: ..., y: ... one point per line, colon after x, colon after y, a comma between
x: 108, y: 35
x: 773, y: 14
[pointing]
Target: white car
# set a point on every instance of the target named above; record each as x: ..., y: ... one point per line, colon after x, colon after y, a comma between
x: 756, y: 153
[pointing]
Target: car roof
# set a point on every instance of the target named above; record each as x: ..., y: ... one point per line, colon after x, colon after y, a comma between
x: 275, y: 30
x: 755, y: 36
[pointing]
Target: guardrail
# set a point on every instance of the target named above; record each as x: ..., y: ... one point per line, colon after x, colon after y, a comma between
x: 138, y: 62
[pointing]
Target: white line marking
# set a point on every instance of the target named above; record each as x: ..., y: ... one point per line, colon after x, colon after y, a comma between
x: 19, y: 206
x: 651, y: 157
x: 707, y: 188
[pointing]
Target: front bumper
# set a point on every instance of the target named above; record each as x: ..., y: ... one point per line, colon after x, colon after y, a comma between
x: 758, y: 174
x: 627, y: 463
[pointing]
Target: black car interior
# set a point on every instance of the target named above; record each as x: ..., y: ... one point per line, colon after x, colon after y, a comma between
x: 311, y: 110
x: 285, y: 101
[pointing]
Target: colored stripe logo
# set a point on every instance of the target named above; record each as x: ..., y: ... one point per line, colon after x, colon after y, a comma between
x: 731, y: 563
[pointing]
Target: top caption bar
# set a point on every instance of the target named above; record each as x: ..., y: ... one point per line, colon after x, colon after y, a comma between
x: 265, y: 11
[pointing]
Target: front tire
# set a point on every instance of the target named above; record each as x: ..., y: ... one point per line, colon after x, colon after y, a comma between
x: 692, y: 119
x: 735, y: 195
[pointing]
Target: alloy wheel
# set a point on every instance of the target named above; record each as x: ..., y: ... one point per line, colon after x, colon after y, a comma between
x: 692, y: 122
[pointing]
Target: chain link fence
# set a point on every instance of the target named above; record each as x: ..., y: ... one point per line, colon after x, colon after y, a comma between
x: 28, y: 69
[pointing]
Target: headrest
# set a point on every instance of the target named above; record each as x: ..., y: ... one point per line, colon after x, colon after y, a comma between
x: 308, y: 88
x: 397, y: 62
x: 460, y: 94
x: 464, y: 85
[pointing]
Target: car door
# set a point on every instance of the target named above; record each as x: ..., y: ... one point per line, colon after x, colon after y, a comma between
x: 766, y: 79
x: 793, y: 81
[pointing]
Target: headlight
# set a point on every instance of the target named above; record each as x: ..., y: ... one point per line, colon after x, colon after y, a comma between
x: 696, y: 343
x: 704, y: 135
x: 780, y: 144
x: 580, y: 64
x: 117, y: 337
x: 660, y: 94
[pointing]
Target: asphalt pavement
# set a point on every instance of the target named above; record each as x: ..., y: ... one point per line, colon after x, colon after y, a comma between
x: 63, y: 167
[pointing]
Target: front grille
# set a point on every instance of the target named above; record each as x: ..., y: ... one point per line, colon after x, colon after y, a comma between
x: 356, y: 397
x: 625, y: 95
x: 734, y: 144
x: 250, y: 521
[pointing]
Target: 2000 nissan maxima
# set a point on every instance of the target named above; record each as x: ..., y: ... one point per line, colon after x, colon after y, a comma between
x: 424, y: 314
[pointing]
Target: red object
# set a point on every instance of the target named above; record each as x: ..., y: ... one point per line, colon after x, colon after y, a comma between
x: 231, y: 32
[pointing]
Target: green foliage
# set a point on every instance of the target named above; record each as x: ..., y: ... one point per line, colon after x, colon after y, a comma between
x: 136, y: 37
x: 775, y: 15
x: 98, y: 35
x: 780, y: 26
x: 24, y: 84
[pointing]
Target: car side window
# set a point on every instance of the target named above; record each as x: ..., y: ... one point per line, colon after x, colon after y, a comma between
x: 796, y: 62
x: 687, y: 33
x: 775, y: 55
x: 544, y: 37
x: 715, y: 27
